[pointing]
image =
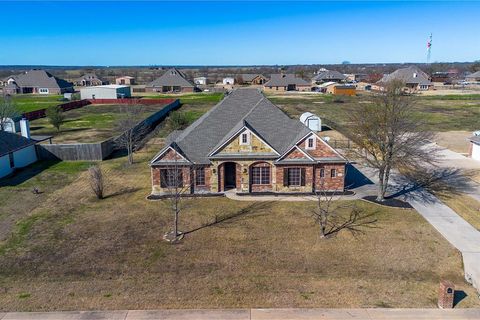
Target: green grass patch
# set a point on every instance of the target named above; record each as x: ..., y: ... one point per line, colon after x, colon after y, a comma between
x: 27, y: 103
x: 193, y: 98
x: 20, y: 232
x: 453, y: 97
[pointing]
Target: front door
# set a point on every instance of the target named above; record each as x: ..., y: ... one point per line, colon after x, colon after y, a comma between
x: 230, y: 175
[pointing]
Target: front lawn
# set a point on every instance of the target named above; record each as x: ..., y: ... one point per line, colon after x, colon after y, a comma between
x: 191, y: 98
x: 30, y: 102
x: 74, y: 252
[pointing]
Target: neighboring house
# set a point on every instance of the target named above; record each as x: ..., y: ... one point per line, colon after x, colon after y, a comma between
x: 228, y: 80
x: 253, y: 79
x: 475, y: 147
x: 413, y: 77
x: 356, y: 77
x: 473, y: 77
x: 200, y: 81
x: 125, y: 80
x: 324, y: 75
x: 89, y: 79
x: 312, y: 121
x: 112, y: 91
x: 37, y: 82
x: 171, y: 81
x: 6, y: 80
x: 247, y: 144
x: 286, y: 82
x: 16, y: 152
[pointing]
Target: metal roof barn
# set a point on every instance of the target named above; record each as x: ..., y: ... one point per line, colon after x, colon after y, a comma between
x: 112, y: 91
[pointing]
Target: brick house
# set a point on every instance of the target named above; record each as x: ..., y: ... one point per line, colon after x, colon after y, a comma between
x: 286, y: 82
x: 253, y: 79
x: 413, y: 78
x: 36, y: 82
x: 248, y: 144
x: 171, y: 81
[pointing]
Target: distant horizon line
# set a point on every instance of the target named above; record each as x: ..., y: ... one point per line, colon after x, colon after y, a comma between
x: 226, y: 65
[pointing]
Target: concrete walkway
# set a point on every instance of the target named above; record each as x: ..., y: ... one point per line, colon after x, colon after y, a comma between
x: 252, y: 314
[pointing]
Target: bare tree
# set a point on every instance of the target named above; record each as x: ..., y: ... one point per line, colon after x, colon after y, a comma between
x: 239, y: 79
x: 97, y: 182
x: 389, y: 136
x: 7, y: 110
x: 329, y: 214
x: 131, y: 130
x: 173, y: 178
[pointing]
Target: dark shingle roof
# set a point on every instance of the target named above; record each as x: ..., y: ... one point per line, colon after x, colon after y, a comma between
x: 40, y: 78
x: 243, y: 107
x: 411, y: 74
x: 474, y: 75
x: 250, y: 76
x: 283, y: 80
x: 10, y: 142
x: 171, y: 77
x: 329, y: 75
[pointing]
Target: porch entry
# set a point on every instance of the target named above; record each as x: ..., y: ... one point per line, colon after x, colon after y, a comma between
x: 230, y: 175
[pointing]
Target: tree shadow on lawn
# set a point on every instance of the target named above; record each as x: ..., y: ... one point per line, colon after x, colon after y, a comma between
x: 26, y: 173
x: 122, y: 192
x: 251, y: 209
x: 422, y: 184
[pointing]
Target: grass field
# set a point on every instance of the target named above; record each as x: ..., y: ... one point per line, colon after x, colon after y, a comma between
x: 441, y: 113
x: 30, y: 102
x: 74, y: 252
x: 92, y: 123
x: 190, y: 98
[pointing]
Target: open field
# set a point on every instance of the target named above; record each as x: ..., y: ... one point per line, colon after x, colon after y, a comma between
x: 92, y: 123
x: 32, y: 102
x: 74, y: 252
x: 441, y: 113
x: 187, y: 98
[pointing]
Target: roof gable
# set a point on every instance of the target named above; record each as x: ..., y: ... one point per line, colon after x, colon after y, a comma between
x: 171, y: 77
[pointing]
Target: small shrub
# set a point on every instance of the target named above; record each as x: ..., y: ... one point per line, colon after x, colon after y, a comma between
x: 178, y: 120
x: 55, y: 116
x: 97, y: 182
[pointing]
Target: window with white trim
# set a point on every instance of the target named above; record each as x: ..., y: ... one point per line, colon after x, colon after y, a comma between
x: 245, y: 138
x: 310, y: 143
x: 43, y: 90
x: 322, y: 173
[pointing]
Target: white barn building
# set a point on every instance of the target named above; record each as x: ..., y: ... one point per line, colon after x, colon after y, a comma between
x: 112, y: 91
x: 312, y: 121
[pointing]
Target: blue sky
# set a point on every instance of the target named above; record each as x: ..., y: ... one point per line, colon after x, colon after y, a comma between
x: 236, y: 33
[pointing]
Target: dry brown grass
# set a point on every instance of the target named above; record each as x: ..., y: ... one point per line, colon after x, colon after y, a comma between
x: 465, y: 206
x: 454, y: 140
x: 80, y: 253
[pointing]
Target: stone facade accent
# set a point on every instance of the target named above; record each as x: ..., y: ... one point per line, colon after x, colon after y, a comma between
x: 214, y: 178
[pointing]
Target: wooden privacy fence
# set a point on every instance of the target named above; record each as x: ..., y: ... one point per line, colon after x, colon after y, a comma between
x: 37, y: 114
x: 101, y: 150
